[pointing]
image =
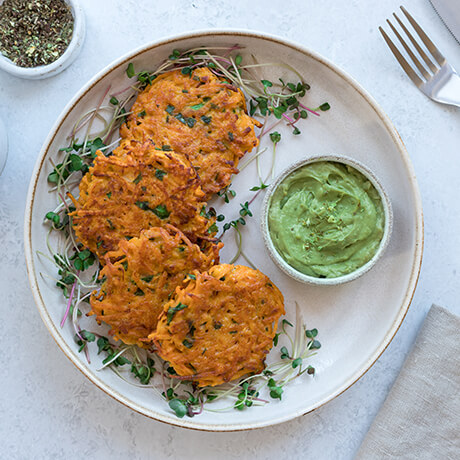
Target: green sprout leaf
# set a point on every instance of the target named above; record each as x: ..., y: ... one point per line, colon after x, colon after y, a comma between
x: 311, y: 333
x: 145, y: 77
x: 103, y: 344
x: 213, y: 228
x: 266, y: 83
x: 59, y: 172
x: 76, y: 163
x: 178, y: 406
x: 315, y: 345
x: 275, y: 137
x: 85, y: 254
x: 53, y: 217
x: 95, y: 145
x: 88, y: 336
x: 284, y: 353
x: 130, y: 70
x: 258, y: 187
x: 278, y: 111
x: 244, y: 211
x: 143, y: 372
x: 121, y: 360
x: 275, y: 390
x: 174, y: 55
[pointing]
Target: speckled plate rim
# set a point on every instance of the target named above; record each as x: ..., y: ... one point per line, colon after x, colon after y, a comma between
x: 194, y: 423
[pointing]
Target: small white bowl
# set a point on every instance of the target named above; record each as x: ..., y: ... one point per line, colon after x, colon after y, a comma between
x: 69, y: 55
x: 291, y: 271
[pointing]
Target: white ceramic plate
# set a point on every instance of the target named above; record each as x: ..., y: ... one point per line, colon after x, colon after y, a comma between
x: 356, y: 321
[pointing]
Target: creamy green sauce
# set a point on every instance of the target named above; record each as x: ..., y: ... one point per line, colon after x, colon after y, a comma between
x: 326, y: 219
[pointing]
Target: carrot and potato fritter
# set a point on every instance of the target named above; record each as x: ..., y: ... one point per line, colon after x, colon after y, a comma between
x: 122, y: 195
x: 219, y: 326
x: 140, y: 277
x: 142, y: 209
x: 198, y: 115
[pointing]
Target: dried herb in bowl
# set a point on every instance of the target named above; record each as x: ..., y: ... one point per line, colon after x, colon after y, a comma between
x: 35, y: 32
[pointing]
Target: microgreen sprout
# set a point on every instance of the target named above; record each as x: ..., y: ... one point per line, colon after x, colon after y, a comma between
x: 275, y: 137
x: 226, y: 194
x: 258, y: 187
x: 94, y: 133
x: 186, y: 399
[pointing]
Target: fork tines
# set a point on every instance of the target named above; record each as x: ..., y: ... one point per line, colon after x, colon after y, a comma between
x: 435, y: 53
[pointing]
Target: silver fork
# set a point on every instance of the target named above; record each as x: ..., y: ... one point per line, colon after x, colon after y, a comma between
x: 438, y: 80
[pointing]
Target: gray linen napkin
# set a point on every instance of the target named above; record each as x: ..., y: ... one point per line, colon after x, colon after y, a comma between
x: 420, y: 418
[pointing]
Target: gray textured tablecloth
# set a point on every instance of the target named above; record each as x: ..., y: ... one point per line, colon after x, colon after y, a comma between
x: 420, y: 418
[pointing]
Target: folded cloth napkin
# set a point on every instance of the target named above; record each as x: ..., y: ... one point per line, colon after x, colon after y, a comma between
x: 420, y: 418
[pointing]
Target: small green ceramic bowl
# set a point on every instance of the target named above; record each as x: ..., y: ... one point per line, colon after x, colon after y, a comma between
x: 293, y: 272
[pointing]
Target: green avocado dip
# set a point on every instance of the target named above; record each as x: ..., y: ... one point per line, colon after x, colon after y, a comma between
x: 326, y: 219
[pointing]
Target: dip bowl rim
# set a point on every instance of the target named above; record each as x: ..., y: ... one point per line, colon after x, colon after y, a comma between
x: 63, y: 61
x: 293, y: 272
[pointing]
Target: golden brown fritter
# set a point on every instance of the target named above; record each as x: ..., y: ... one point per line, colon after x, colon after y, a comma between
x: 198, y: 115
x: 220, y: 326
x: 122, y: 195
x: 141, y: 276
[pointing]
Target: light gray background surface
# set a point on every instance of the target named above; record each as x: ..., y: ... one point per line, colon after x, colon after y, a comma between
x: 49, y: 409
